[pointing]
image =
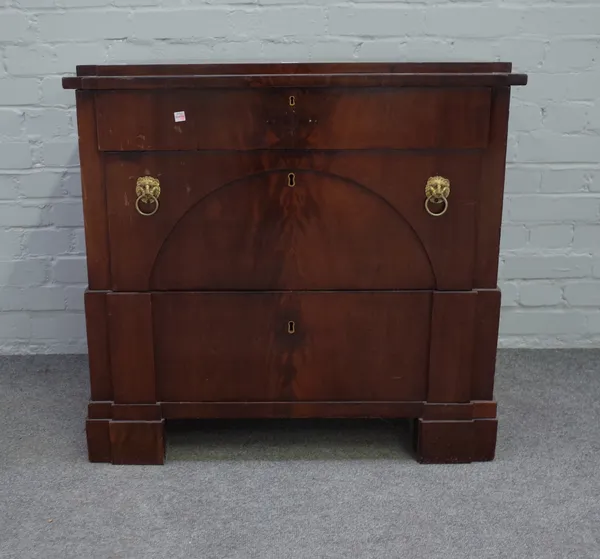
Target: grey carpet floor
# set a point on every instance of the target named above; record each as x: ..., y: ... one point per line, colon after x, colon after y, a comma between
x: 312, y: 490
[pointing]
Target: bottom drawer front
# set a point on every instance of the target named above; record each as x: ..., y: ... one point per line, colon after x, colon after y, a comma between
x: 294, y: 346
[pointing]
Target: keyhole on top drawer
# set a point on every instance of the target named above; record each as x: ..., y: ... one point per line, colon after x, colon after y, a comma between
x: 292, y: 101
x: 291, y: 327
x: 292, y: 180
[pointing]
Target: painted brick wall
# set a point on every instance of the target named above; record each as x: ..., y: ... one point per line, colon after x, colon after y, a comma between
x: 550, y: 263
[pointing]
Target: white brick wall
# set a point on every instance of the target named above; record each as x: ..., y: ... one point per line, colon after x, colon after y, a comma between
x: 550, y: 262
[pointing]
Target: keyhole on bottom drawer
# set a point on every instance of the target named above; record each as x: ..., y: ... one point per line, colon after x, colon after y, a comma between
x: 291, y: 327
x: 292, y: 101
x: 291, y: 180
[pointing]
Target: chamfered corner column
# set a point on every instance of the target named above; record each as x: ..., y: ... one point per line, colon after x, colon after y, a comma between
x: 456, y: 427
x: 451, y: 353
x: 128, y: 427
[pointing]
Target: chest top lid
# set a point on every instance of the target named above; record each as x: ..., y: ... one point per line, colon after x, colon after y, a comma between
x: 346, y: 74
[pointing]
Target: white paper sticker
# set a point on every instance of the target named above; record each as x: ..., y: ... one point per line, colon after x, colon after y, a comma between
x: 179, y: 116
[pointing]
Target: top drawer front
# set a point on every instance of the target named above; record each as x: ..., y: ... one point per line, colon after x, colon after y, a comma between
x: 336, y: 119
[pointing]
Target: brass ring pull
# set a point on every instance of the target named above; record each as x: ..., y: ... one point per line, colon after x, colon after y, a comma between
x: 436, y: 201
x: 148, y: 192
x: 437, y: 191
x: 151, y: 200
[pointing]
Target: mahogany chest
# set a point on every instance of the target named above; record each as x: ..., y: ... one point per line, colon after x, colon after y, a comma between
x: 293, y: 240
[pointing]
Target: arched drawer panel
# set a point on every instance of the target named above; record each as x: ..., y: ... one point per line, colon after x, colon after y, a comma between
x: 261, y: 233
x: 297, y: 223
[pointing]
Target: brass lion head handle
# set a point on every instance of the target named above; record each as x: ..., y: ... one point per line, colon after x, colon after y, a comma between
x: 147, y: 190
x: 437, y: 191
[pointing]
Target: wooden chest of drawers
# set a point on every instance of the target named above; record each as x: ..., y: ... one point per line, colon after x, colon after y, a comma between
x: 293, y: 240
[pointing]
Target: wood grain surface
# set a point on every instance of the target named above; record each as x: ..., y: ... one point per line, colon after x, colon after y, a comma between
x: 291, y: 268
x: 352, y: 221
x: 338, y: 119
x: 344, y: 346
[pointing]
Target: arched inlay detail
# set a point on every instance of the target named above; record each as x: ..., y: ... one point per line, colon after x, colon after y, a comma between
x: 328, y: 232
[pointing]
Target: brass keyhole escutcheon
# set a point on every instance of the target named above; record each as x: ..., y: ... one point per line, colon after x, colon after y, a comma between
x: 291, y: 180
x: 292, y: 100
x: 291, y: 327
